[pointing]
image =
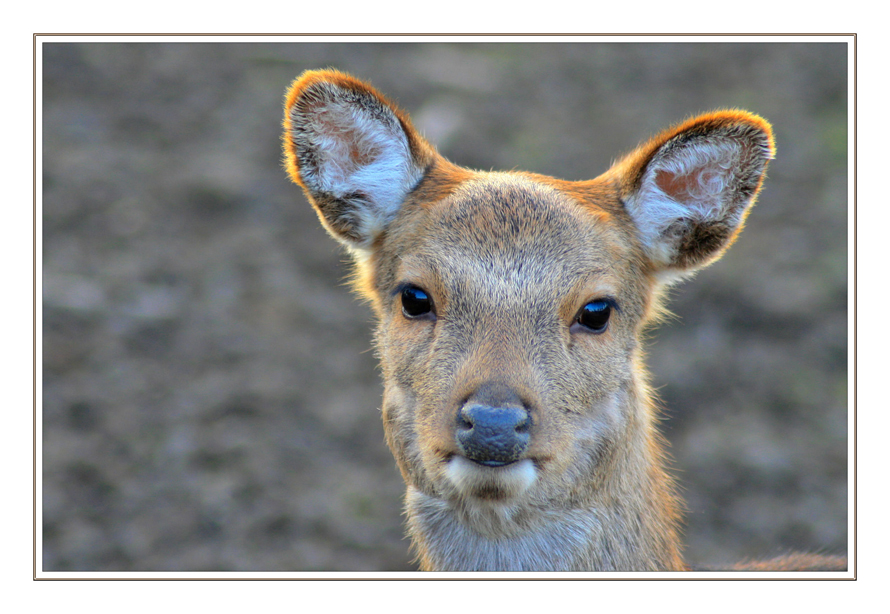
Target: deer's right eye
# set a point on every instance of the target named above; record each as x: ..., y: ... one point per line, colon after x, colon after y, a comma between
x: 416, y: 303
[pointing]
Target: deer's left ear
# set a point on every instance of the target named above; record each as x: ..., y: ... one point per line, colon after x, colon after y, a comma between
x: 689, y: 189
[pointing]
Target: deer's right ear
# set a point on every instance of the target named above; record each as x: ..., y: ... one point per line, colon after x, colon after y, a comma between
x: 354, y: 153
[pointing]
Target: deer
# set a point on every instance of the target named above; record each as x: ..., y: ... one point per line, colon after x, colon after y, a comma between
x: 509, y: 310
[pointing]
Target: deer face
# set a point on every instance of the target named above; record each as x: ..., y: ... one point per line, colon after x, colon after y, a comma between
x: 510, y: 311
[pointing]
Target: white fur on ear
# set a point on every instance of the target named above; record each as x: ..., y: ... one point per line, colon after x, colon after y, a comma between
x: 693, y: 196
x: 352, y: 150
x: 688, y: 185
x: 362, y: 154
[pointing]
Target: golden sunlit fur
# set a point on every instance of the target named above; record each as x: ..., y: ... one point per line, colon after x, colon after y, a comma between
x: 510, y: 308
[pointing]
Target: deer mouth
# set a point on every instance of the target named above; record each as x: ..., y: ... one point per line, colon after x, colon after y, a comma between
x: 493, y: 463
x: 490, y: 479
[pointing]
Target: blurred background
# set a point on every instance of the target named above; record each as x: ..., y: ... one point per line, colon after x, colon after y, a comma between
x: 210, y: 394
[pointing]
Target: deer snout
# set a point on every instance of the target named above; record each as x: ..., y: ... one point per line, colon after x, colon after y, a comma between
x: 493, y: 436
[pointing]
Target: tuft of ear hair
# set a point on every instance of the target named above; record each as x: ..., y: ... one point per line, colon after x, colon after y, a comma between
x: 355, y: 154
x: 690, y: 188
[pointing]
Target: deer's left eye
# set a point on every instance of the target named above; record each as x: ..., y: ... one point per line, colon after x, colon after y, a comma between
x: 594, y: 316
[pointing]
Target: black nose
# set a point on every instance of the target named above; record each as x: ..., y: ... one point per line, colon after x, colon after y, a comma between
x: 493, y: 436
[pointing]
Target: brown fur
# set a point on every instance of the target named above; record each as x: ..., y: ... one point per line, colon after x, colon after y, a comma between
x: 509, y: 262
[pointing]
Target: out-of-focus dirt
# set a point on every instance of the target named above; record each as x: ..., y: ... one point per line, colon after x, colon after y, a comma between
x: 210, y: 396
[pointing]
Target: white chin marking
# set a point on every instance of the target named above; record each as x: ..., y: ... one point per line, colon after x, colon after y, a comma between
x: 493, y: 483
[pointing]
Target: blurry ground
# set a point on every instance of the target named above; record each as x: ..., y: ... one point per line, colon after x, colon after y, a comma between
x: 210, y: 400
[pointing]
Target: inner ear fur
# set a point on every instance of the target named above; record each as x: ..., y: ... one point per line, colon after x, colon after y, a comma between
x: 355, y: 153
x: 689, y: 189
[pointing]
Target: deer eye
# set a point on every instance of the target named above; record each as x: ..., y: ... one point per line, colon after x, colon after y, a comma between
x: 416, y: 303
x: 594, y: 316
